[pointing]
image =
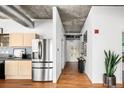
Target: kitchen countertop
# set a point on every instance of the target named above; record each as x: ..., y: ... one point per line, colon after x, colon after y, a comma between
x: 17, y: 59
x: 14, y: 59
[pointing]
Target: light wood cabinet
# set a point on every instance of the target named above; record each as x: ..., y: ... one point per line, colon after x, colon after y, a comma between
x: 25, y: 68
x: 16, y: 39
x: 21, y: 39
x: 11, y: 68
x: 18, y: 69
x: 28, y: 39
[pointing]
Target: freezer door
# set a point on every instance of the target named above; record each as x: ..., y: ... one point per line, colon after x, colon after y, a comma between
x: 42, y: 74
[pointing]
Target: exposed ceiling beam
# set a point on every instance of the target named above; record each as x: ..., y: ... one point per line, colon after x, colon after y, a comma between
x: 16, y: 15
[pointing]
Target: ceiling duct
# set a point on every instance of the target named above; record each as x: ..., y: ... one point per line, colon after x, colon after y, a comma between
x: 72, y: 36
x: 18, y: 16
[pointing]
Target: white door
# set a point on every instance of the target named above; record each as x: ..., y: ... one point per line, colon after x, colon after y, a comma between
x: 72, y: 50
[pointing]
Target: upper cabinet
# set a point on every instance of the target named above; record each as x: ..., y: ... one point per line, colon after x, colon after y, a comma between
x: 21, y: 39
x: 4, y: 40
x: 28, y: 39
x: 16, y: 39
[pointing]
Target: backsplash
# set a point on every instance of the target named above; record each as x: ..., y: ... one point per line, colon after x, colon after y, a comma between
x: 6, y: 51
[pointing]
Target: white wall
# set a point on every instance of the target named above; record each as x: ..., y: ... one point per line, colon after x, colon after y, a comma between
x: 87, y: 27
x: 122, y: 42
x: 110, y: 22
x: 42, y: 26
x: 58, y: 36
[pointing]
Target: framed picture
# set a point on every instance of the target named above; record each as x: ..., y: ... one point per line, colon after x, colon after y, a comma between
x: 1, y: 30
x: 85, y: 37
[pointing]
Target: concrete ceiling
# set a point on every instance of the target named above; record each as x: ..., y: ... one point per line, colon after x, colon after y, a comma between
x: 73, y: 16
x: 38, y: 11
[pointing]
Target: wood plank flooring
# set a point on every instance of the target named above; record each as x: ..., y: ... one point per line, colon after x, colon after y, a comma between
x: 70, y: 78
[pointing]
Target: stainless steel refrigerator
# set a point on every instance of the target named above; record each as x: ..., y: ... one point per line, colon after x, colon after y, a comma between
x: 42, y: 64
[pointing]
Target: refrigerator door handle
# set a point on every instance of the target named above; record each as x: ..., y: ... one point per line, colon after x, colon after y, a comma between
x: 40, y: 45
x: 42, y: 53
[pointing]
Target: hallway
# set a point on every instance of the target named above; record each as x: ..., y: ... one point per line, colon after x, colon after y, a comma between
x: 70, y: 78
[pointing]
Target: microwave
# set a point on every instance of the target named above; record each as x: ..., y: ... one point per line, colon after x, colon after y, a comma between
x: 18, y: 52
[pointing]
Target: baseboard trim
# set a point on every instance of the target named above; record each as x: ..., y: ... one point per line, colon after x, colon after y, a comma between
x: 88, y: 78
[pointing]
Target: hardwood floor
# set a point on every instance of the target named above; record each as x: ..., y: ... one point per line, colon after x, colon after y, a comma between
x: 70, y: 78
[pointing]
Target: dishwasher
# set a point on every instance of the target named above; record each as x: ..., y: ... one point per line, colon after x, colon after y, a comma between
x: 2, y: 69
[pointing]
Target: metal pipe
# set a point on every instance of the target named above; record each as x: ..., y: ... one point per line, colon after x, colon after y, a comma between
x: 18, y: 16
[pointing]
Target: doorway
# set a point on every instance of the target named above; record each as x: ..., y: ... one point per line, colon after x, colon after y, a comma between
x: 72, y: 48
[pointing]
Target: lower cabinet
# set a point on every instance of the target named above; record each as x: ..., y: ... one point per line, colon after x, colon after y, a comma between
x: 18, y: 69
x: 11, y: 68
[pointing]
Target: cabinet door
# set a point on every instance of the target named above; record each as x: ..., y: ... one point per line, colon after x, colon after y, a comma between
x: 25, y: 68
x: 16, y: 39
x: 11, y: 68
x: 28, y: 38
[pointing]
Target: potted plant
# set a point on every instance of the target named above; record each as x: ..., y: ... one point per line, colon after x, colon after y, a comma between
x: 81, y: 64
x: 111, y: 61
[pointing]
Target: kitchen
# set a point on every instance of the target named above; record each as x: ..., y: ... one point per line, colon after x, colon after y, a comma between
x: 16, y: 47
x: 16, y: 55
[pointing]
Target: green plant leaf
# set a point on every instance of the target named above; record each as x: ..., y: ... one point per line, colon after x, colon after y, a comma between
x: 111, y: 61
